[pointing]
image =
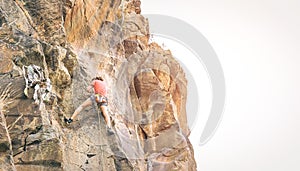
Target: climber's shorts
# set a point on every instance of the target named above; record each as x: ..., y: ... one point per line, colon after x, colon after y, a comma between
x: 100, y: 100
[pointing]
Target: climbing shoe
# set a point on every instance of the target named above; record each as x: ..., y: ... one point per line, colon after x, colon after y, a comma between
x: 68, y: 121
x: 110, y: 131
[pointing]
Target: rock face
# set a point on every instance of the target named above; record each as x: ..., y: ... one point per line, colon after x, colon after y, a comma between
x: 73, y: 41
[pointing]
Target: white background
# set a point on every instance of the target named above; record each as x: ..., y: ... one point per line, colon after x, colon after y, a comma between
x: 258, y: 45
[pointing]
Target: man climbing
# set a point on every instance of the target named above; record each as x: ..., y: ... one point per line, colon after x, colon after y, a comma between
x: 99, y: 96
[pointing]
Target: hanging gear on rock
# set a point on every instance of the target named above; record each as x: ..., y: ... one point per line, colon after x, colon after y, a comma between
x: 35, y: 81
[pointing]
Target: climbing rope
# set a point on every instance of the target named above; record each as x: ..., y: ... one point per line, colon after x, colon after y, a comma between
x: 99, y: 120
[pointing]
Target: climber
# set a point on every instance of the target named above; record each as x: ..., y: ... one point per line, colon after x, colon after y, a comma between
x: 99, y: 96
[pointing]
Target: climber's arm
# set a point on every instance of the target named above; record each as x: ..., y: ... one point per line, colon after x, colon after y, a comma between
x: 90, y: 87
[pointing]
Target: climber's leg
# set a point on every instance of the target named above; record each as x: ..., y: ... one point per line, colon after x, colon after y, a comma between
x: 105, y: 115
x: 86, y: 103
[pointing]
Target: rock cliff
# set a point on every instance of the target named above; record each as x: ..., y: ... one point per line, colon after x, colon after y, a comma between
x: 50, y: 50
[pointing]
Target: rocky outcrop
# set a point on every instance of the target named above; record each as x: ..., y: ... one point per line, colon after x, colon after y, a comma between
x: 72, y: 42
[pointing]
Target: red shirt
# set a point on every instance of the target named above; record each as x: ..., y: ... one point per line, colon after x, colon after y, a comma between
x: 99, y: 87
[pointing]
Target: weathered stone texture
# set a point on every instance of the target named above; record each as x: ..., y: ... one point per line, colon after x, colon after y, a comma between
x: 74, y: 41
